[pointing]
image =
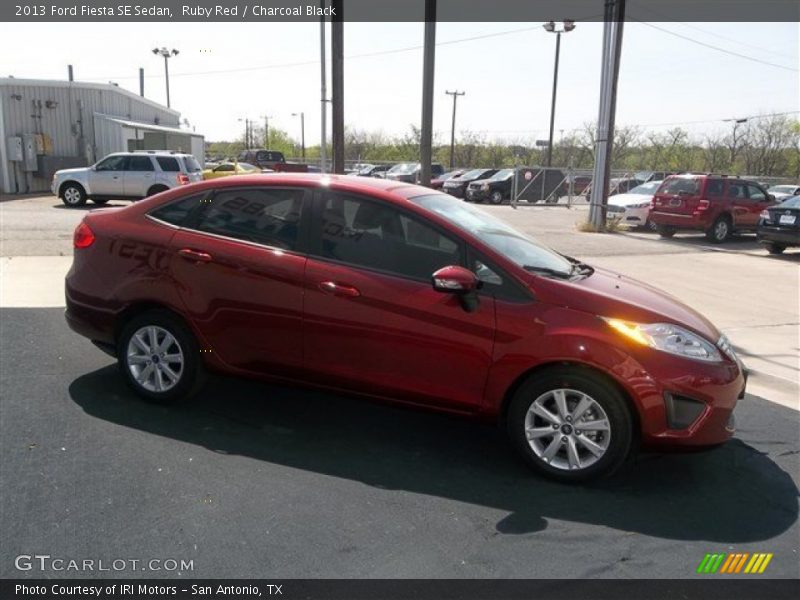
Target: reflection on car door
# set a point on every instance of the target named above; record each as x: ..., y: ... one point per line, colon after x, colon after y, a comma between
x: 240, y: 275
x: 106, y: 179
x: 139, y: 176
x: 374, y: 324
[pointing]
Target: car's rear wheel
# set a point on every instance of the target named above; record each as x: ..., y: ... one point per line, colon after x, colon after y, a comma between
x: 496, y: 197
x: 159, y: 357
x: 665, y: 231
x: 720, y: 231
x: 73, y: 194
x: 572, y: 425
x: 775, y: 248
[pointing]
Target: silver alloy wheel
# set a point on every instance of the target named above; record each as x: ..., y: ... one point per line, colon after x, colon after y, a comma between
x: 72, y: 195
x: 721, y: 229
x: 497, y: 197
x: 155, y: 359
x: 567, y: 429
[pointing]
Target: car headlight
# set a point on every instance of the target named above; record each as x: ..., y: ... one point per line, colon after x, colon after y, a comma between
x: 667, y: 338
x: 642, y: 205
x: 485, y: 187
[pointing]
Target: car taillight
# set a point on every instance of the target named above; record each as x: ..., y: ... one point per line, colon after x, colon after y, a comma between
x: 83, y: 236
x: 183, y: 179
x: 702, y: 206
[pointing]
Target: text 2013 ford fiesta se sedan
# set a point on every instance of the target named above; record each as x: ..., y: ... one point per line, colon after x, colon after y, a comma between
x: 395, y: 292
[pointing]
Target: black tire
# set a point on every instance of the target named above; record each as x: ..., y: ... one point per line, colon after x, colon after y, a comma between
x: 73, y: 195
x: 620, y: 445
x: 665, y: 231
x: 496, y: 197
x: 720, y: 231
x: 190, y: 375
x: 156, y: 189
x: 650, y: 226
x: 774, y: 248
x: 100, y: 201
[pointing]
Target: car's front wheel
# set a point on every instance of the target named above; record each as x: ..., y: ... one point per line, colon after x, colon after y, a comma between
x: 775, y: 248
x: 665, y: 231
x: 571, y: 424
x: 496, y: 197
x: 73, y: 194
x: 159, y: 357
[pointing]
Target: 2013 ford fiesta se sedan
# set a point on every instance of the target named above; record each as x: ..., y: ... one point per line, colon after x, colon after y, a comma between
x: 394, y: 292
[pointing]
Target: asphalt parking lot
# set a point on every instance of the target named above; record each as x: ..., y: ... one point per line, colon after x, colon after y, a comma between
x: 257, y: 479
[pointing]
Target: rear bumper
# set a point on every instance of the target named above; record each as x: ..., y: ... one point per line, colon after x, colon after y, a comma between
x: 679, y: 221
x: 766, y: 234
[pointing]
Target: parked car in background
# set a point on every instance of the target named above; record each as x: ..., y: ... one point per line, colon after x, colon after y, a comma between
x: 622, y: 185
x: 437, y: 183
x: 409, y: 172
x: 457, y: 186
x: 784, y: 192
x: 633, y: 208
x: 580, y: 184
x: 228, y: 169
x: 373, y: 171
x: 425, y: 300
x: 717, y: 205
x: 495, y: 189
x: 271, y: 159
x: 779, y: 226
x: 125, y: 176
x: 646, y: 176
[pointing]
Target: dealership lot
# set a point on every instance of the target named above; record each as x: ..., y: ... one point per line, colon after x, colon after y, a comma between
x: 256, y: 478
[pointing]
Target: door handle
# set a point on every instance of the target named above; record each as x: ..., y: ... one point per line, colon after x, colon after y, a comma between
x: 194, y: 255
x: 338, y: 289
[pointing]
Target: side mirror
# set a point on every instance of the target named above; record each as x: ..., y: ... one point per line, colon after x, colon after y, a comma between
x: 771, y: 197
x: 454, y: 280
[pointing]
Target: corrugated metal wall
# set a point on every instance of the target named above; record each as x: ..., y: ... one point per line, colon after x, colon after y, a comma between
x: 66, y: 113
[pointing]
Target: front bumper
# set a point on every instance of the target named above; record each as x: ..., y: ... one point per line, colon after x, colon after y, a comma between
x: 458, y: 192
x: 787, y: 237
x: 477, y: 195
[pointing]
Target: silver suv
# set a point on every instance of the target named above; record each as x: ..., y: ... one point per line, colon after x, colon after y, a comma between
x: 126, y: 175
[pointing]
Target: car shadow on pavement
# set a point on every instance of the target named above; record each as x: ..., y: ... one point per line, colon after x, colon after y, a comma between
x: 733, y: 494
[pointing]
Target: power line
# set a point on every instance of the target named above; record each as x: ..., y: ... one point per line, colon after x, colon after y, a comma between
x: 717, y: 48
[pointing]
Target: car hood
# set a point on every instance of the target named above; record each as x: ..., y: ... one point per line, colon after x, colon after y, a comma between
x: 72, y: 171
x: 628, y: 199
x: 610, y: 294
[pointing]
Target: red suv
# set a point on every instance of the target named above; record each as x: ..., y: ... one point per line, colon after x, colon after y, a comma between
x: 718, y: 205
x: 397, y: 292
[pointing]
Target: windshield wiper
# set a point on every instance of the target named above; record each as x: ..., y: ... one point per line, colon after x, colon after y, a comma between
x: 548, y: 271
x: 578, y: 267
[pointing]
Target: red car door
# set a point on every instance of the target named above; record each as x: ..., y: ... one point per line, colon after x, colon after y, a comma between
x: 373, y: 322
x: 758, y: 200
x: 240, y: 277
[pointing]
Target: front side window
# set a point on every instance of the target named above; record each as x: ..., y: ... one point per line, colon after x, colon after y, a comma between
x: 140, y: 163
x: 113, y: 163
x: 168, y: 163
x: 260, y: 215
x: 377, y: 236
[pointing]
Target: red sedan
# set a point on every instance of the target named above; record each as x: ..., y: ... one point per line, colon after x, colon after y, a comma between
x: 397, y: 292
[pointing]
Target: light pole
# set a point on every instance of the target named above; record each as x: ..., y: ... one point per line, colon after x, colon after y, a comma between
x: 455, y: 96
x: 551, y: 27
x: 266, y: 131
x: 736, y: 123
x: 167, y: 54
x: 246, y: 132
x: 302, y: 116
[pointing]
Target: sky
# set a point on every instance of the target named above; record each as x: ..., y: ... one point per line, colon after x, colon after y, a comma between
x: 226, y: 72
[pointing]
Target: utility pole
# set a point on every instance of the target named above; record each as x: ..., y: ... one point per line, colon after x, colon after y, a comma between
x: 167, y: 54
x: 70, y: 74
x: 550, y: 26
x: 734, y: 140
x: 428, y: 64
x: 455, y: 96
x: 266, y: 131
x: 614, y: 19
x: 323, y: 146
x: 141, y: 82
x: 302, y: 116
x: 337, y: 80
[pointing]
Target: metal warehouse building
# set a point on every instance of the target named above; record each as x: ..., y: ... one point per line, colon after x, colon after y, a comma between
x: 50, y: 125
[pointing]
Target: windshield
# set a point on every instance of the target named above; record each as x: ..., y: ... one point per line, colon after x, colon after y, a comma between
x: 783, y: 189
x: 502, y: 174
x: 497, y: 234
x: 404, y: 168
x: 473, y: 174
x: 646, y: 188
x: 793, y: 202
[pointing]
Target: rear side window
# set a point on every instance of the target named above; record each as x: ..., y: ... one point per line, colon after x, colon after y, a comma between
x: 715, y: 188
x: 680, y: 185
x: 176, y: 212
x: 168, y: 163
x: 260, y: 215
x: 140, y: 163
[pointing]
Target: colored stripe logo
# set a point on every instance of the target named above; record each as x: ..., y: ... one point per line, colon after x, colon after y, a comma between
x: 742, y: 562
